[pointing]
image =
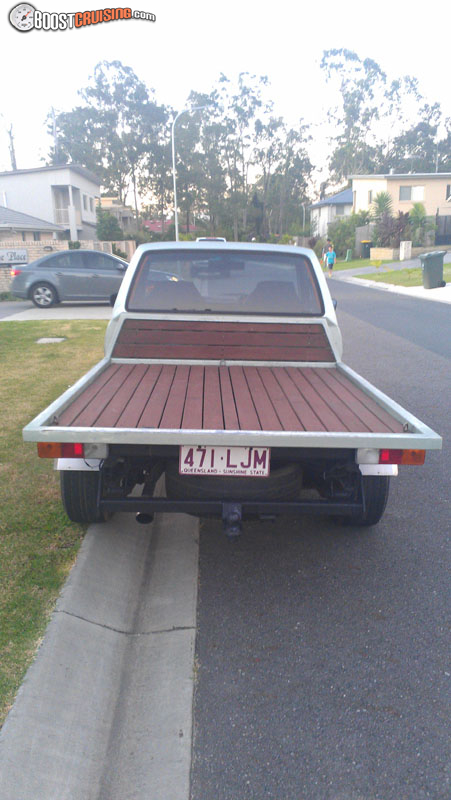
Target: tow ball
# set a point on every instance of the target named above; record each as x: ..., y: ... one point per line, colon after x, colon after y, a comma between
x: 231, y: 519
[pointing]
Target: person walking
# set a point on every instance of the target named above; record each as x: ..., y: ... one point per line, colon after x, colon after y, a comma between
x: 325, y: 248
x: 330, y: 259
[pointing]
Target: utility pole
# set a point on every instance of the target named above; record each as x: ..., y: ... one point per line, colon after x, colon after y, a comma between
x: 55, y: 135
x: 11, y: 148
x: 12, y: 153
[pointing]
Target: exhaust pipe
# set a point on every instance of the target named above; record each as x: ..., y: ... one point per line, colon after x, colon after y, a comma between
x: 143, y: 518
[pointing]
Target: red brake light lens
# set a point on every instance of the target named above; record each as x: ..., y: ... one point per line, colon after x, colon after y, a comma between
x: 15, y: 272
x: 60, y: 450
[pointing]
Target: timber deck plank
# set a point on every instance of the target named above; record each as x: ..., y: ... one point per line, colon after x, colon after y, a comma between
x: 247, y: 398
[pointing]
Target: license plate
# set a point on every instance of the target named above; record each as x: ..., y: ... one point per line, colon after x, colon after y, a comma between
x: 212, y: 460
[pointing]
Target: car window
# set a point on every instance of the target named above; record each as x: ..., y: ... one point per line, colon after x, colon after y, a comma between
x: 99, y: 261
x: 253, y: 282
x: 62, y: 261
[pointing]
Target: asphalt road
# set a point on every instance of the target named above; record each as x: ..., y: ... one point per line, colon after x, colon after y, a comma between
x: 322, y: 652
x: 321, y: 667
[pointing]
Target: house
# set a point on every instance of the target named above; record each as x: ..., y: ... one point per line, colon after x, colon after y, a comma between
x: 124, y: 214
x: 15, y: 225
x: 156, y: 225
x: 433, y: 189
x: 64, y: 195
x: 329, y: 210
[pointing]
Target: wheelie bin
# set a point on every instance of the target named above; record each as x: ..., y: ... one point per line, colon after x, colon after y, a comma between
x: 432, y: 268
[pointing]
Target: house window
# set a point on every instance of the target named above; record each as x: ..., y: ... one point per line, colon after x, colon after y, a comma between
x: 339, y: 211
x: 370, y: 197
x: 85, y: 202
x: 91, y: 205
x: 448, y: 192
x: 36, y: 236
x: 413, y: 193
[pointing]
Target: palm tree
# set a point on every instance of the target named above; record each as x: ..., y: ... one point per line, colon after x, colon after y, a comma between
x: 419, y: 223
x: 382, y: 205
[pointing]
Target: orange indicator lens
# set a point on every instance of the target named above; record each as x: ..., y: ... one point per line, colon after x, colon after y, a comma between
x: 60, y: 450
x: 402, y: 456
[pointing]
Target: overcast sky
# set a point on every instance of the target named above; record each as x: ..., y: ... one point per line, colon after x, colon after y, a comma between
x: 191, y: 43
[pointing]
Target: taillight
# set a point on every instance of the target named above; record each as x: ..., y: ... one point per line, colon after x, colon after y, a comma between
x: 60, y: 450
x: 15, y: 272
x: 402, y: 456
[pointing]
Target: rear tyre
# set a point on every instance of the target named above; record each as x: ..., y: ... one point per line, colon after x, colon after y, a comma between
x: 79, y: 496
x: 43, y: 295
x: 283, y: 483
x: 375, y: 490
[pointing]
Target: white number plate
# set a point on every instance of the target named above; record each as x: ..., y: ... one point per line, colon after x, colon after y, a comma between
x: 212, y: 460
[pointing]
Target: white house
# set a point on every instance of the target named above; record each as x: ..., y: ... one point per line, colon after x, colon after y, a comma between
x: 329, y: 210
x: 66, y: 195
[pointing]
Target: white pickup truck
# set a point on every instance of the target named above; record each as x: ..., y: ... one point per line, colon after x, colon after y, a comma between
x: 225, y: 374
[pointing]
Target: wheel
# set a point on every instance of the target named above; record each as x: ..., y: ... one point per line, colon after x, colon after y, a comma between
x: 79, y: 496
x: 283, y: 483
x: 375, y: 490
x: 43, y: 295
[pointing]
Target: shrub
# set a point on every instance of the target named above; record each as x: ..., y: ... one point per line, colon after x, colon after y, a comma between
x: 420, y: 224
x: 119, y: 253
x: 108, y: 228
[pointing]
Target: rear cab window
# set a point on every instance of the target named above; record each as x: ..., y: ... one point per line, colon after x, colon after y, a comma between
x: 227, y: 282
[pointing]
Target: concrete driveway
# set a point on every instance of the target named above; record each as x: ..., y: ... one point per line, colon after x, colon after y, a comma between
x: 24, y: 310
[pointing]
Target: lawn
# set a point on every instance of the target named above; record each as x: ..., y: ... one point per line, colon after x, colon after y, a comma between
x: 38, y: 544
x: 405, y: 277
x: 359, y: 262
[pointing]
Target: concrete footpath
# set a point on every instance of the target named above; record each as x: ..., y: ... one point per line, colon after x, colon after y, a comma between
x: 442, y: 294
x: 105, y: 710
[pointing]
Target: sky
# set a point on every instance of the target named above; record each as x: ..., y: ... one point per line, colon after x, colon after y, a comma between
x: 190, y: 44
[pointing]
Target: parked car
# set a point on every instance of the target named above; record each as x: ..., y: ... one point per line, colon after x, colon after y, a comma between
x: 210, y: 239
x: 69, y: 275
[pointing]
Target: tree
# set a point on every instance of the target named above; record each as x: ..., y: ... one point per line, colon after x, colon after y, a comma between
x: 342, y: 231
x: 382, y: 204
x: 108, y: 228
x: 111, y: 133
x: 420, y: 224
x: 360, y: 85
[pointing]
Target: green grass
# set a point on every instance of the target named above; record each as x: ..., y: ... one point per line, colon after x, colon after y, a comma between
x: 38, y: 544
x: 359, y: 262
x: 405, y: 277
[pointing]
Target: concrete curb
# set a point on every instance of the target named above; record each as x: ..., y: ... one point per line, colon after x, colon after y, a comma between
x: 411, y: 291
x: 105, y: 710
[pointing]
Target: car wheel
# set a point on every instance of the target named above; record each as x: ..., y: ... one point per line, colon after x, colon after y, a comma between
x: 79, y: 495
x: 43, y: 295
x: 375, y: 489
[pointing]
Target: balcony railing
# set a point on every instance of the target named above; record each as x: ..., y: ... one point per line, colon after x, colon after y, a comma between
x: 62, y: 216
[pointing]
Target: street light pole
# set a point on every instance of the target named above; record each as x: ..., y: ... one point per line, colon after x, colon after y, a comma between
x: 184, y: 111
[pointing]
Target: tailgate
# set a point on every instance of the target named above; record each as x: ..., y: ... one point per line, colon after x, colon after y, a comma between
x: 239, y: 404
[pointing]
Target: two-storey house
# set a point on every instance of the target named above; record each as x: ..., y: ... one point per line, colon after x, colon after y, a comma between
x: 66, y: 195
